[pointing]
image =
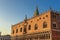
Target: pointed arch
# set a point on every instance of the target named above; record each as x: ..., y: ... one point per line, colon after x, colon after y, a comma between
x: 35, y: 26
x: 44, y: 24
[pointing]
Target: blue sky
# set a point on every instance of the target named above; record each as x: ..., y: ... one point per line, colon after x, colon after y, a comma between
x: 13, y: 11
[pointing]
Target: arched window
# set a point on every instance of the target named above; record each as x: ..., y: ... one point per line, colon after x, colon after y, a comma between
x: 54, y: 25
x: 16, y: 30
x: 24, y: 29
x: 46, y: 15
x: 29, y: 27
x: 36, y: 27
x: 13, y: 32
x: 44, y: 24
x: 20, y: 29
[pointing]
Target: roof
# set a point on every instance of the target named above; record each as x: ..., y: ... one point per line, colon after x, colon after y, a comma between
x: 37, y: 16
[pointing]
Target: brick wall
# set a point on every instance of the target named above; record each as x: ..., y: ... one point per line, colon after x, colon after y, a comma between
x: 55, y: 35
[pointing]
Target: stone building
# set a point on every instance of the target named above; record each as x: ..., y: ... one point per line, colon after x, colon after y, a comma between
x: 5, y: 37
x: 43, y: 26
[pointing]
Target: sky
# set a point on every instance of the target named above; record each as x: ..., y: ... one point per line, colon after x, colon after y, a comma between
x: 14, y: 11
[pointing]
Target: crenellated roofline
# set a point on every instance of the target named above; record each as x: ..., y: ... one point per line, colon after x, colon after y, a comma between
x: 35, y: 16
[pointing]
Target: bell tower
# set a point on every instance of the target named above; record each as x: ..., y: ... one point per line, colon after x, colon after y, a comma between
x: 25, y: 18
x: 36, y: 12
